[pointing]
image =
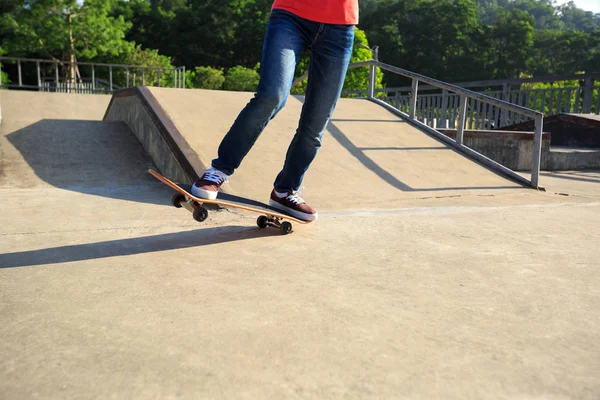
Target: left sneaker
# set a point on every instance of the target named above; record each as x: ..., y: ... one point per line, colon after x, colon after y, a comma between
x: 293, y: 204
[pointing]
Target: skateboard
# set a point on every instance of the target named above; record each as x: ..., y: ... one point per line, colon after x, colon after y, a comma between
x: 271, y: 217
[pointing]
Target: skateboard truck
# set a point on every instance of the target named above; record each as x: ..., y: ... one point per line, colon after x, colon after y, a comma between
x: 200, y: 213
x: 266, y: 220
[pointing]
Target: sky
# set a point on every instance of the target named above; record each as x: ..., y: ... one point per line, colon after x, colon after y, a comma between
x: 587, y: 5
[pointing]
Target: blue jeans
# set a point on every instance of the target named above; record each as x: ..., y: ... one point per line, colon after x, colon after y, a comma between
x: 287, y: 36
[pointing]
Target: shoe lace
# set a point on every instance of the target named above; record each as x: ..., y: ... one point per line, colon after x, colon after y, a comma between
x: 294, y: 198
x: 214, y: 175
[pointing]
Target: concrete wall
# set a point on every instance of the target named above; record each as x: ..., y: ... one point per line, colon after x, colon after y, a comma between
x: 169, y: 151
x: 567, y: 159
x: 515, y: 150
x: 511, y: 149
x: 569, y: 130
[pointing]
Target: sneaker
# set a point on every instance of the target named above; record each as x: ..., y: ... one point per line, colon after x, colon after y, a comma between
x: 292, y: 204
x: 209, y: 183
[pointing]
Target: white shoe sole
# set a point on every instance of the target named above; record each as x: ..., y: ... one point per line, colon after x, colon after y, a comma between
x: 295, y: 213
x: 205, y: 194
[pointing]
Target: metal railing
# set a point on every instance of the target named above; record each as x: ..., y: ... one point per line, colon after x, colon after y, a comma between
x: 101, y: 78
x: 433, y: 102
x: 464, y: 100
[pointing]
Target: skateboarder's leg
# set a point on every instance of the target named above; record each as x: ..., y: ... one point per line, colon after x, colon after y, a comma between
x: 330, y: 55
x: 285, y: 40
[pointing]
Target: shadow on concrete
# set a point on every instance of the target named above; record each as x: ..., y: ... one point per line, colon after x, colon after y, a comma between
x: 359, y: 154
x: 403, y: 148
x: 92, y: 157
x: 399, y: 121
x: 139, y: 245
x: 592, y: 176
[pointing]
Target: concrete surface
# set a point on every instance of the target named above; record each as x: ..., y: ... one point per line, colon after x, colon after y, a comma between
x: 568, y: 130
x: 594, y: 117
x: 137, y: 109
x: 108, y: 292
x: 366, y: 150
x: 512, y: 149
x: 571, y: 159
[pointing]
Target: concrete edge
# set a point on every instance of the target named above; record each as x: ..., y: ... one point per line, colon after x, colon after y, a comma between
x: 573, y: 159
x: 495, y: 134
x: 182, y: 157
x: 567, y: 117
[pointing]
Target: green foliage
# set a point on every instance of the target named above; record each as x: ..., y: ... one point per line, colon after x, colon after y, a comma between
x: 452, y: 40
x: 223, y: 33
x: 206, y: 78
x: 3, y: 75
x: 565, y: 93
x: 481, y: 39
x: 241, y: 79
x: 151, y: 58
x: 574, y: 18
x: 558, y: 52
x: 358, y: 78
x: 513, y: 41
x: 441, y: 38
x: 60, y: 28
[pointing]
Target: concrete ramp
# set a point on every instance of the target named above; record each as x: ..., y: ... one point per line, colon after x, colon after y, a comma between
x: 62, y: 142
x: 107, y: 291
x: 369, y: 156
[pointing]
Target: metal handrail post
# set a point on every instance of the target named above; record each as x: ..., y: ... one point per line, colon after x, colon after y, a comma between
x: 39, y: 75
x: 20, y: 74
x: 505, y: 97
x: 537, y: 151
x: 372, y: 70
x: 462, y: 117
x: 413, y: 98
x: 587, y: 95
x: 93, y: 79
x: 56, y: 75
x: 444, y: 108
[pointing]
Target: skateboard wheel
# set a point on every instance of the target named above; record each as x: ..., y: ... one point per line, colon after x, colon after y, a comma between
x: 285, y: 228
x: 177, y: 199
x: 262, y: 222
x: 200, y: 214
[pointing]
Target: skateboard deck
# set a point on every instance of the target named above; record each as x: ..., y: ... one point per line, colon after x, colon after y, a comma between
x: 271, y: 217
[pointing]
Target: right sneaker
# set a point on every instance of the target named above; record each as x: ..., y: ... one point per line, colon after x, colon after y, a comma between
x: 293, y: 204
x: 207, y: 187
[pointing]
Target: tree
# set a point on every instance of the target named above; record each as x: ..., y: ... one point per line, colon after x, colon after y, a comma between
x: 556, y: 52
x: 3, y: 75
x: 577, y: 19
x: 206, y: 78
x: 63, y: 30
x: 513, y: 41
x: 241, y: 79
x: 148, y: 58
x: 358, y: 78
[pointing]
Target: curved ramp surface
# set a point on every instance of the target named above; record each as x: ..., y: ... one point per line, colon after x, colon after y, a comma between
x: 109, y: 292
x: 369, y: 155
x: 60, y: 140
